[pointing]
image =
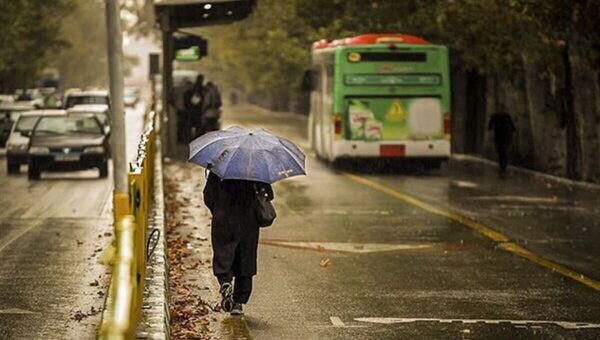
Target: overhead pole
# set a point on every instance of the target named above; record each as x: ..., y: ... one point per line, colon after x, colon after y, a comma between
x: 117, y: 138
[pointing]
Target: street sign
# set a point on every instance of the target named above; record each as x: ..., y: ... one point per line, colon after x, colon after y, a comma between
x: 154, y: 64
x: 188, y: 54
x: 190, y: 48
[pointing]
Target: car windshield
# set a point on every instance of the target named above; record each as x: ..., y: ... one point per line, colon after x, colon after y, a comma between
x: 103, y: 118
x: 83, y: 100
x: 26, y: 123
x: 69, y: 125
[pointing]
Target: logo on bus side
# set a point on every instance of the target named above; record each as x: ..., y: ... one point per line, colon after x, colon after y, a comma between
x: 354, y: 57
x: 396, y: 113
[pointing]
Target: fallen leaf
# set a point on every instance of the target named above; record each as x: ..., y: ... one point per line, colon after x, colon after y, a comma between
x: 325, y: 263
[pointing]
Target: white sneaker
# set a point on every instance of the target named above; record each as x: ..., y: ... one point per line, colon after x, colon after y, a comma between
x: 238, y: 309
x: 226, y: 297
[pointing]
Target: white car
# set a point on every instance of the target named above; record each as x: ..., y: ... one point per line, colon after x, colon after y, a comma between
x: 131, y: 96
x: 102, y: 112
x: 17, y: 146
x: 73, y: 98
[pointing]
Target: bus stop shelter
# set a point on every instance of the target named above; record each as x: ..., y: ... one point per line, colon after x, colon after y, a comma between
x: 174, y: 15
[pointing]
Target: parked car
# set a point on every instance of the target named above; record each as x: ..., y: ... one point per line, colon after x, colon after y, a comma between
x: 102, y: 112
x: 9, y: 113
x: 18, y: 140
x: 7, y: 98
x: 33, y: 97
x: 68, y: 143
x: 73, y: 98
x: 131, y: 96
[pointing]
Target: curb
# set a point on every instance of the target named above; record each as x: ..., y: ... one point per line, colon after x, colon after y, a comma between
x: 524, y: 171
x: 155, y: 320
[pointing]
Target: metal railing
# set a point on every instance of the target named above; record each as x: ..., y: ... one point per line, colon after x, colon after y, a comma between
x: 125, y: 294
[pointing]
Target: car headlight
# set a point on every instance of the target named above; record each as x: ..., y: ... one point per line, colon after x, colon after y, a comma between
x: 36, y: 150
x: 94, y: 149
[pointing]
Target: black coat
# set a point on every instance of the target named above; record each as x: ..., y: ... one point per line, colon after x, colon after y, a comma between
x: 235, y: 230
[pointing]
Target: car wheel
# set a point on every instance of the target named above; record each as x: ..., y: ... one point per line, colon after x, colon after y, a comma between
x: 12, y: 167
x: 33, y: 172
x: 103, y: 170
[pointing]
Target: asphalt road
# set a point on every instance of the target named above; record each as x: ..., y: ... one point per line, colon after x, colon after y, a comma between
x: 52, y: 232
x: 380, y: 252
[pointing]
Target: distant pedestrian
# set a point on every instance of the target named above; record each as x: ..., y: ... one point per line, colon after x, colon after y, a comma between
x: 197, y: 104
x: 211, y: 108
x: 235, y: 231
x: 212, y: 97
x: 183, y: 107
x: 233, y: 98
x: 502, y: 125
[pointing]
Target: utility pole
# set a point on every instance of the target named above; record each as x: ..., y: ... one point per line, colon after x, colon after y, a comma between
x: 117, y: 138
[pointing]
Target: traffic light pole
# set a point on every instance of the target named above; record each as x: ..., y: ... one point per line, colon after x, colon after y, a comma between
x: 117, y: 138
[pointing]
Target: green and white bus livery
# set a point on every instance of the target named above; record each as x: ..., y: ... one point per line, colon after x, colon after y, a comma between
x: 380, y: 96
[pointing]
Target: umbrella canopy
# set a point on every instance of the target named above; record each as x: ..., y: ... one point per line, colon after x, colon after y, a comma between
x: 256, y: 155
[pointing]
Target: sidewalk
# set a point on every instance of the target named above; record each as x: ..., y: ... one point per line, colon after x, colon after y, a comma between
x: 193, y: 291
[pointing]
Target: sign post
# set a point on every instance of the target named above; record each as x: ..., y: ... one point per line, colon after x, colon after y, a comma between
x: 117, y: 138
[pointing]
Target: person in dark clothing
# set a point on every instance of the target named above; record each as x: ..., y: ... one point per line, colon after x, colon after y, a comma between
x: 197, y: 104
x: 211, y: 108
x: 502, y: 125
x: 234, y: 237
x: 183, y: 106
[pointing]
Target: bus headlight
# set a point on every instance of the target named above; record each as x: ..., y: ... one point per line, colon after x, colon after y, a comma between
x: 38, y: 150
x: 94, y: 149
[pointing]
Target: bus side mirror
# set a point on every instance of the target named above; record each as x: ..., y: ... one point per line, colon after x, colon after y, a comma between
x: 307, y: 83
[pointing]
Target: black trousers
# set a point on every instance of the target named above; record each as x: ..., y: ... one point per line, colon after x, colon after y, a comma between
x: 242, y: 287
x: 502, y: 146
x: 184, y: 130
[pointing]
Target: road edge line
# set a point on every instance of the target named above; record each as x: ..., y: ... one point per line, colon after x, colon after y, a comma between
x: 499, y: 238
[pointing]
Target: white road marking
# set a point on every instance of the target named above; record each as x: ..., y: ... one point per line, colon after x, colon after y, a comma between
x: 15, y: 311
x: 510, y: 198
x: 540, y: 207
x: 361, y: 248
x: 337, y: 322
x: 17, y: 234
x: 351, y: 212
x: 465, y: 184
x: 532, y: 323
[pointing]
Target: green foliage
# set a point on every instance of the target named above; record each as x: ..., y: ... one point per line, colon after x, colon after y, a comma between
x: 84, y: 62
x: 30, y: 33
x: 268, y: 52
x: 264, y: 55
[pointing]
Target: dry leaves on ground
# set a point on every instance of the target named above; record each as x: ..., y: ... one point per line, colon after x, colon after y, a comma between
x: 190, y: 313
x: 325, y: 263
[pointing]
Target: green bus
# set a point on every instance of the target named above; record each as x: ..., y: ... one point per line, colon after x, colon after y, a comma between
x: 380, y: 96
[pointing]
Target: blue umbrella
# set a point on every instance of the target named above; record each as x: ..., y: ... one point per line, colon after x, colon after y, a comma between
x: 256, y: 155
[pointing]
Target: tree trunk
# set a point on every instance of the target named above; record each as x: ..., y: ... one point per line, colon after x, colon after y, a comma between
x: 476, y: 112
x: 586, y: 110
x: 545, y: 110
x: 572, y: 121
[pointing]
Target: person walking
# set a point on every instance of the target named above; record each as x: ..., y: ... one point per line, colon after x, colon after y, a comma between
x: 183, y: 107
x: 211, y: 108
x: 197, y: 104
x: 242, y: 164
x: 234, y: 236
x: 502, y: 125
